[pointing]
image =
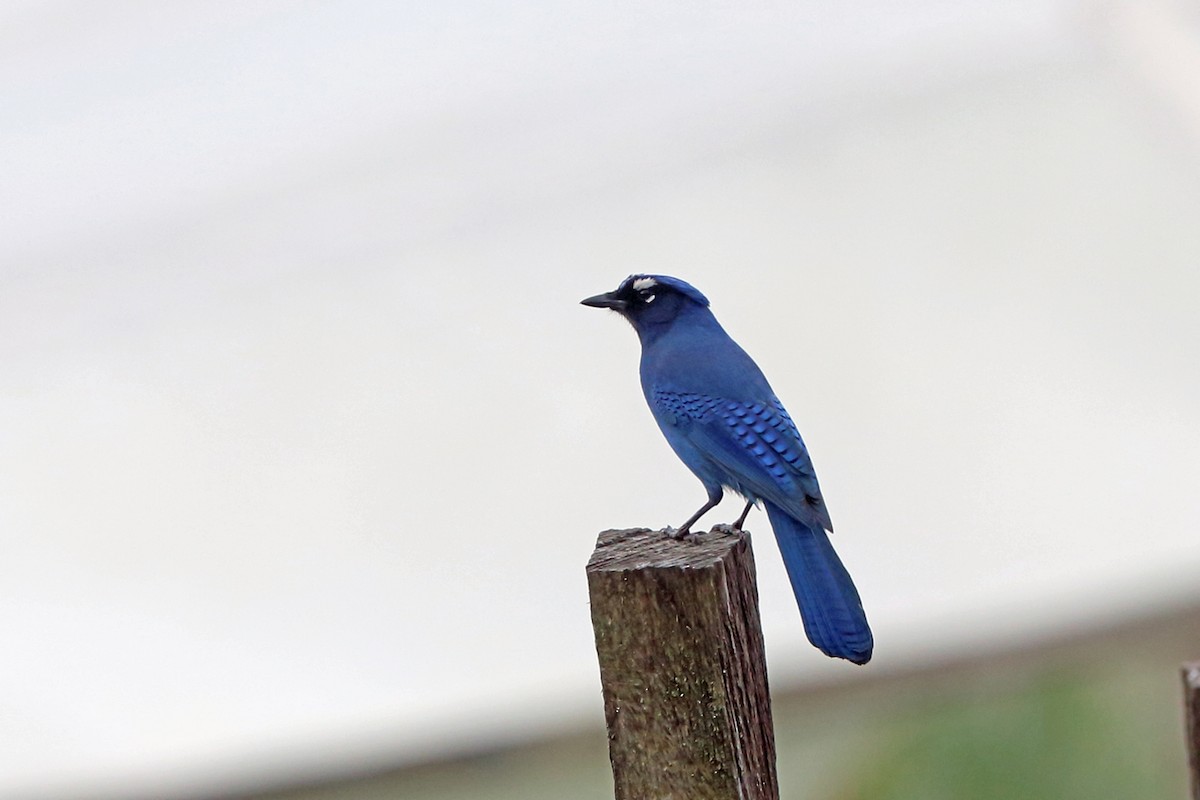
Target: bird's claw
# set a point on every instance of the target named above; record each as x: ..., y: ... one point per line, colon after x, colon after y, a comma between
x: 676, y: 534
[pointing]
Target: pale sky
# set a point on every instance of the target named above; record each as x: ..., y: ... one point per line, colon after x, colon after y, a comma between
x: 305, y: 440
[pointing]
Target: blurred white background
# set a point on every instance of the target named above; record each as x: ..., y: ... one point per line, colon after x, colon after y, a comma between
x: 305, y: 439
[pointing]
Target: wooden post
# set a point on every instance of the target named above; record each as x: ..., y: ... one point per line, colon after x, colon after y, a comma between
x: 1191, y: 713
x: 682, y: 666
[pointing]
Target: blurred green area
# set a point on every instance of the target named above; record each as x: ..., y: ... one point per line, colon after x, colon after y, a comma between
x: 1055, y: 731
x: 1097, y: 716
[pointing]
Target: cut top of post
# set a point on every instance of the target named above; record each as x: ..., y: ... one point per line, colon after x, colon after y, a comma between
x: 639, y: 548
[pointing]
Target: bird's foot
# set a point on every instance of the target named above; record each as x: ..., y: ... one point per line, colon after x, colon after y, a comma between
x: 678, y: 534
x: 727, y: 529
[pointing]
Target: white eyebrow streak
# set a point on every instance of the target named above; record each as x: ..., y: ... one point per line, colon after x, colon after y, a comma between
x: 644, y: 283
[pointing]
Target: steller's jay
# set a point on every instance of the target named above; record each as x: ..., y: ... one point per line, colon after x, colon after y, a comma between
x: 723, y: 421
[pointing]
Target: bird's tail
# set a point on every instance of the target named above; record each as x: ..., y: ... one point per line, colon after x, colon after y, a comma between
x: 833, y: 615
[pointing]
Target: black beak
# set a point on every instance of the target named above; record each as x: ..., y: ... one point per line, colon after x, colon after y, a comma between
x: 607, y: 300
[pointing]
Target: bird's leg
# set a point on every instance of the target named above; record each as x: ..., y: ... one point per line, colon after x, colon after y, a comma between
x: 737, y: 526
x: 714, y: 497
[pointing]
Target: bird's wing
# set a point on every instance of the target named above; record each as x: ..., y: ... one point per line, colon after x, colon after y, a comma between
x: 756, y: 444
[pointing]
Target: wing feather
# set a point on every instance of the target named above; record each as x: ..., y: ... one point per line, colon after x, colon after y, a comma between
x: 755, y: 445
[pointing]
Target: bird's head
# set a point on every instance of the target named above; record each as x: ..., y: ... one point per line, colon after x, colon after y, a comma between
x: 648, y: 301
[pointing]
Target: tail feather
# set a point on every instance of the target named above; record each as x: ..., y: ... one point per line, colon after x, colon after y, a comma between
x: 829, y: 605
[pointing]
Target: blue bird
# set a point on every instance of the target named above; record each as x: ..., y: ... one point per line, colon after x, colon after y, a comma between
x: 722, y: 419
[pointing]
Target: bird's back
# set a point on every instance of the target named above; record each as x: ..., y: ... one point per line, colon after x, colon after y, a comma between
x: 717, y: 410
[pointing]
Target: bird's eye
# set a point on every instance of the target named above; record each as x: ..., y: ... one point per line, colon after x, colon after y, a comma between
x: 647, y: 298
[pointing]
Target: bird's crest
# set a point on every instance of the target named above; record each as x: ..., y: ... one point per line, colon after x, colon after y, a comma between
x: 641, y: 283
